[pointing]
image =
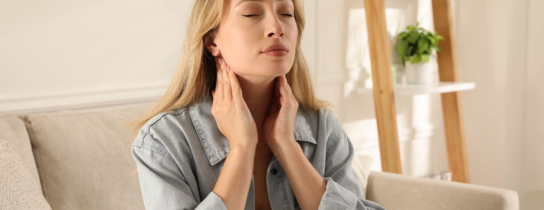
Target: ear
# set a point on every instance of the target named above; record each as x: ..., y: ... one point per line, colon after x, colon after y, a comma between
x: 209, y: 43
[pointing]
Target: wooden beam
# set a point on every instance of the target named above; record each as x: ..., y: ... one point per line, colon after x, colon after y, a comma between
x: 447, y: 69
x: 382, y: 79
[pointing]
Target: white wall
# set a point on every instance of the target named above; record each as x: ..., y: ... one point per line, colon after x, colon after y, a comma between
x: 532, y: 144
x: 70, y: 54
x: 492, y: 53
x: 499, y: 45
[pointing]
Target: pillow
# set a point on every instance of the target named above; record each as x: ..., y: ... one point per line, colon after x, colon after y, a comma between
x: 18, y: 190
x: 13, y: 130
x: 361, y: 165
x: 84, y: 160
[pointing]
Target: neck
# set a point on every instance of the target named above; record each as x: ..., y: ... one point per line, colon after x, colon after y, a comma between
x: 257, y: 92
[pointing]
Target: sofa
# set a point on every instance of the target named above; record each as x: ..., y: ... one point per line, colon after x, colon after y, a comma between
x: 80, y: 159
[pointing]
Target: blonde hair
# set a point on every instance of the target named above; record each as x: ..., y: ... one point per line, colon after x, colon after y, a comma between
x: 195, y: 74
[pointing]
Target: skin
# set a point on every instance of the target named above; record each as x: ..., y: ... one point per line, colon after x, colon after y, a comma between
x: 252, y: 91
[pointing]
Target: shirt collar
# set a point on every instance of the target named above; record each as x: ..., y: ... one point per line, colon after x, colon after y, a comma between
x: 216, y: 144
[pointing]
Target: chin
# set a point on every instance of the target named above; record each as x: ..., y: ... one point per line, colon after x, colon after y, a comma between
x: 270, y: 69
x: 277, y: 70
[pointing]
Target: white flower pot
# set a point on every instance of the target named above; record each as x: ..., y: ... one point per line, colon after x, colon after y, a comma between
x: 419, y: 73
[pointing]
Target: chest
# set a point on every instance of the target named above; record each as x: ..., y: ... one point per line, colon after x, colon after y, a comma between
x: 261, y: 163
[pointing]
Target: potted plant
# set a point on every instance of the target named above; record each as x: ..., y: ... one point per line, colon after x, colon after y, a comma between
x: 415, y: 47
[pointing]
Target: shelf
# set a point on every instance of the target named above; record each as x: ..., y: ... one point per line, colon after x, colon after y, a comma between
x: 414, y: 89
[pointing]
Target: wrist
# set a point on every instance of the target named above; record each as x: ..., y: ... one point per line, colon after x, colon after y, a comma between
x: 280, y: 146
x: 244, y: 147
x: 287, y: 151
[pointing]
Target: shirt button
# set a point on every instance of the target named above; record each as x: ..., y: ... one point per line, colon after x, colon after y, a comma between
x: 274, y: 171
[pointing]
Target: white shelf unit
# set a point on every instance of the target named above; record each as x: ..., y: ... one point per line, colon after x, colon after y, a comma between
x: 415, y: 89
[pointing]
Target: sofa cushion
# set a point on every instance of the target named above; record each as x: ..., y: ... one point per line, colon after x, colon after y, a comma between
x: 83, y: 158
x: 18, y: 188
x: 361, y: 165
x: 396, y: 191
x: 13, y: 130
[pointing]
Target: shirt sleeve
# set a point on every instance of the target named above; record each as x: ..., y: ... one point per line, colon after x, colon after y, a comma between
x: 343, y: 190
x: 163, y: 184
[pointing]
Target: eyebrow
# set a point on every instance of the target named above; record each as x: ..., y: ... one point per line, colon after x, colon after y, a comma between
x: 258, y: 0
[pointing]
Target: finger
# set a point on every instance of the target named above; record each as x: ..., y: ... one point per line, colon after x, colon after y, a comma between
x: 292, y: 95
x: 287, y: 98
x: 219, y: 81
x: 281, y: 93
x: 226, y: 84
x: 283, y: 88
x: 290, y: 89
x: 287, y: 84
x: 235, y: 87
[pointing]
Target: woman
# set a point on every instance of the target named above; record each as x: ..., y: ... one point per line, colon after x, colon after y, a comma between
x: 240, y: 127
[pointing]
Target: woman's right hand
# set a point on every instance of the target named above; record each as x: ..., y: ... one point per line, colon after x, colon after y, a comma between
x: 230, y: 110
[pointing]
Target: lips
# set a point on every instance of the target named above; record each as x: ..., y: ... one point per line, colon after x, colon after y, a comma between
x: 276, y: 50
x: 278, y: 47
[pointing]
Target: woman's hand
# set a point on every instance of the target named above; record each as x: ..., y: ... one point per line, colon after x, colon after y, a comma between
x: 280, y: 124
x: 230, y: 110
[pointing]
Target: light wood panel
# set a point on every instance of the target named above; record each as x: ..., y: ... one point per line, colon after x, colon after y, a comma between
x: 451, y: 107
x: 384, y: 97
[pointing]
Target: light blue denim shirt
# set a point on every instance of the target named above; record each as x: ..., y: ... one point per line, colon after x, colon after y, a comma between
x: 179, y: 155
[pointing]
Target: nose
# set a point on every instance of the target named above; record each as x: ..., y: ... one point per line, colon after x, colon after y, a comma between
x: 276, y: 28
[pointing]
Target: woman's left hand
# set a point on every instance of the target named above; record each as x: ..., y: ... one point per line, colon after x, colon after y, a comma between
x: 279, y: 125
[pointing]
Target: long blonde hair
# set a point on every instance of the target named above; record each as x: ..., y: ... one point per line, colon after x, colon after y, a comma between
x: 195, y: 74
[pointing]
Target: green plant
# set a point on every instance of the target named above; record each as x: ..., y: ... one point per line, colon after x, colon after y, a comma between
x: 416, y: 44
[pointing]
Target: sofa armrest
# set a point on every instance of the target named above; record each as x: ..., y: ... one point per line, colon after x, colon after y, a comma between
x: 394, y: 191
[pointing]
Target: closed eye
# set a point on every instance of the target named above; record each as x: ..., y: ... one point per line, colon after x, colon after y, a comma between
x: 290, y: 15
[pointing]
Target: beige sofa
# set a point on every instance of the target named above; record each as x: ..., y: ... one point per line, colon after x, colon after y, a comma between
x: 80, y: 159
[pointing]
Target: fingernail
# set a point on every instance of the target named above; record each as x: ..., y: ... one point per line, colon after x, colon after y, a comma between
x: 220, y: 61
x: 228, y: 68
